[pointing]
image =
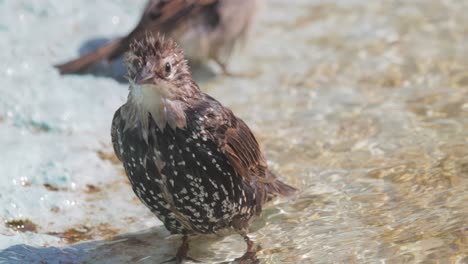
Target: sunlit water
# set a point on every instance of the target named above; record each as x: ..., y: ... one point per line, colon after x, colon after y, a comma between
x: 363, y: 105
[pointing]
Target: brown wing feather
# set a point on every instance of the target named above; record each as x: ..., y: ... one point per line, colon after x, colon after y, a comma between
x: 164, y: 10
x: 243, y: 151
x: 163, y: 16
x: 241, y: 148
x: 244, y: 154
x: 236, y: 140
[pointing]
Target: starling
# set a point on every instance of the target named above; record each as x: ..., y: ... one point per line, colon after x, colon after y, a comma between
x: 206, y: 30
x: 189, y: 159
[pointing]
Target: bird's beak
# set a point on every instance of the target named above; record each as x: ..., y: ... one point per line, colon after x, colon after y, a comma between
x: 144, y: 78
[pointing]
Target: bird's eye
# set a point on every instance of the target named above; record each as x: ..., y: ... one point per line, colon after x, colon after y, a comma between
x: 168, y: 68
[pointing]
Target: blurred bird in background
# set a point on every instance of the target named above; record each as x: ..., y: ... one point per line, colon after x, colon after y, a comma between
x: 205, y: 29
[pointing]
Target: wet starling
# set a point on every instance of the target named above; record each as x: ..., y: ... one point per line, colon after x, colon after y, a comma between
x: 189, y: 159
x: 205, y: 29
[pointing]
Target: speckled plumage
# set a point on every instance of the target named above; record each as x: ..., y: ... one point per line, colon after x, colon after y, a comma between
x: 189, y: 159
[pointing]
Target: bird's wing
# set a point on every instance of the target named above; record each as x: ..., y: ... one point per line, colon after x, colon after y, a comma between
x: 242, y: 150
x: 236, y: 140
x: 164, y: 10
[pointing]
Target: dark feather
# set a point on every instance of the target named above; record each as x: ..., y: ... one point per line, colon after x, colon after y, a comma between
x: 116, y: 123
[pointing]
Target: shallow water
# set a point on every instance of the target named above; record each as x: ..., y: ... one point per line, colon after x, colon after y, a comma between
x: 363, y: 106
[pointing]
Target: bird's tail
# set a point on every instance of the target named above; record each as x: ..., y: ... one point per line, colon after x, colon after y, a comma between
x: 108, y: 51
x: 271, y: 188
x: 276, y: 187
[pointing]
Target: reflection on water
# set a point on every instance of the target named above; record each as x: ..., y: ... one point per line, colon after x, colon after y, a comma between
x: 363, y: 105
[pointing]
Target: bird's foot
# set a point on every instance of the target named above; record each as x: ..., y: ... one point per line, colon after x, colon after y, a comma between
x: 250, y: 256
x: 182, y: 252
x: 177, y: 260
x: 168, y: 261
x: 247, y: 258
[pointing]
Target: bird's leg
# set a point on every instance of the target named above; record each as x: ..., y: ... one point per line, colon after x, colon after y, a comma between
x: 228, y: 73
x: 249, y: 243
x: 223, y: 66
x: 250, y: 254
x: 183, y: 250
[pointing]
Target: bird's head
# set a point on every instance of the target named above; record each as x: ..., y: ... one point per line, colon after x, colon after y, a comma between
x: 160, y: 81
x: 156, y: 65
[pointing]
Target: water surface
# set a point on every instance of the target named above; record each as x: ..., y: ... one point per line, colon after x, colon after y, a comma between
x: 362, y: 105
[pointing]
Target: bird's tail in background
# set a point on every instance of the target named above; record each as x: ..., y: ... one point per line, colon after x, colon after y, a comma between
x: 108, y: 51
